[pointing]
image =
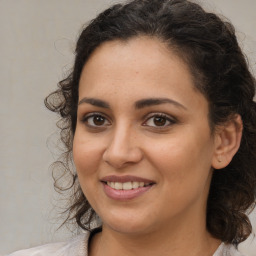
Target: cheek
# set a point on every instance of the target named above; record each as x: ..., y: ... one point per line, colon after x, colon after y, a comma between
x: 86, y: 154
x: 183, y: 160
x: 87, y: 158
x: 184, y: 177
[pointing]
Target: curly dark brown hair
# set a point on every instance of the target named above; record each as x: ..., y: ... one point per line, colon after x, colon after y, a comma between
x: 209, y: 47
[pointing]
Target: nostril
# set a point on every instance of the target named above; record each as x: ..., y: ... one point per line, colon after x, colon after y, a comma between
x: 119, y: 157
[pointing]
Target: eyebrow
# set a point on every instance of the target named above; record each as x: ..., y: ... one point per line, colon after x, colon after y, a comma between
x: 94, y: 102
x: 138, y: 104
x: 157, y: 101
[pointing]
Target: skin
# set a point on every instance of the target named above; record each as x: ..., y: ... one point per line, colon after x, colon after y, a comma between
x: 178, y: 155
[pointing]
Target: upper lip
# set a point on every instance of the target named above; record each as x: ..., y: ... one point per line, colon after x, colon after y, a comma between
x: 125, y: 178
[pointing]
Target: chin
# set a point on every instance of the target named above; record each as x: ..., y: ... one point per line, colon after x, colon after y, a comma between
x: 128, y: 224
x: 127, y: 228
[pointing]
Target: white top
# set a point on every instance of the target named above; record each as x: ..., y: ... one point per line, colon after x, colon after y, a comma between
x: 78, y: 246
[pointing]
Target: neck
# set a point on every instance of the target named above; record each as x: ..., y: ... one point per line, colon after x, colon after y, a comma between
x: 177, y: 239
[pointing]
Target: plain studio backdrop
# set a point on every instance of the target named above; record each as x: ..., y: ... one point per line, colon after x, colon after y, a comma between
x: 37, y: 41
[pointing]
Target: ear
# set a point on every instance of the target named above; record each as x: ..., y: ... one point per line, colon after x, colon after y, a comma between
x: 227, y: 142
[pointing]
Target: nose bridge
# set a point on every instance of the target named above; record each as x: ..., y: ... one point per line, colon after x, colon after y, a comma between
x: 122, y: 136
x: 122, y: 147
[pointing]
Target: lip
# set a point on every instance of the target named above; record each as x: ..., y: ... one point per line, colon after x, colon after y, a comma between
x: 124, y: 195
x: 126, y: 178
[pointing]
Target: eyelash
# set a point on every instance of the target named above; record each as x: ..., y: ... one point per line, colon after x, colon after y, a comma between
x: 166, y: 118
x: 93, y: 115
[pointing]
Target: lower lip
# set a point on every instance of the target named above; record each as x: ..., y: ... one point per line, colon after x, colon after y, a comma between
x: 125, y: 194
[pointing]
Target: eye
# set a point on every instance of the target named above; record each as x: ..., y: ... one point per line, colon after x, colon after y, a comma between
x: 159, y: 120
x: 95, y: 120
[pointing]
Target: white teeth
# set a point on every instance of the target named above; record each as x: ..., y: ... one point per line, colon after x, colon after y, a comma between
x: 135, y: 184
x: 118, y: 185
x: 126, y: 185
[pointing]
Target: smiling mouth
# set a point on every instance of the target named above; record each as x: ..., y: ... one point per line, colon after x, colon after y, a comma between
x: 127, y: 185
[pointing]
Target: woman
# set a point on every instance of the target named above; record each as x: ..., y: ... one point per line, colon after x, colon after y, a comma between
x: 158, y: 116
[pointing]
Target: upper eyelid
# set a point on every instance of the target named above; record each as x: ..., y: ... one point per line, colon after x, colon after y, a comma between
x: 144, y: 118
x: 86, y: 117
x: 90, y: 114
x: 152, y: 114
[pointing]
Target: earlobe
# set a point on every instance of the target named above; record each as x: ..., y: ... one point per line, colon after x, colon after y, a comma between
x: 227, y: 142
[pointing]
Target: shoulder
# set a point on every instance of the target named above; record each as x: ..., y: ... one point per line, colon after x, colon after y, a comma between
x: 75, y: 246
x: 227, y: 250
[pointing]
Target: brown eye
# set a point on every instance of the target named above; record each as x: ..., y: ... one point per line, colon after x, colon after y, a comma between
x: 159, y: 121
x: 96, y: 120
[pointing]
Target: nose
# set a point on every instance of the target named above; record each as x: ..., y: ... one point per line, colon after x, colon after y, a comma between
x: 122, y: 149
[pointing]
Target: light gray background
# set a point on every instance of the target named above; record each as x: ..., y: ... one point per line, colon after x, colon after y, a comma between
x: 37, y: 39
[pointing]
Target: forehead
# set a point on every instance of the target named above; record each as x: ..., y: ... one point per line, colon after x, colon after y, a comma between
x: 139, y: 67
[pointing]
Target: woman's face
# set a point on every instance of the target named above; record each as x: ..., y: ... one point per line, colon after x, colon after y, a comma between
x: 142, y: 147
